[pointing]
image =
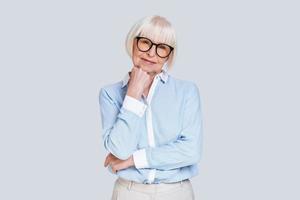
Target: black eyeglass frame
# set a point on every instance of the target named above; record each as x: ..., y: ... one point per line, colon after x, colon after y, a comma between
x: 152, y: 43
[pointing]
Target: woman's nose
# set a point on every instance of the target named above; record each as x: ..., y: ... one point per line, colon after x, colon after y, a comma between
x: 151, y: 51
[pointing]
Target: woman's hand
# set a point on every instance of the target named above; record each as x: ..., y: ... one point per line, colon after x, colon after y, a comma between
x: 139, y: 81
x: 117, y: 164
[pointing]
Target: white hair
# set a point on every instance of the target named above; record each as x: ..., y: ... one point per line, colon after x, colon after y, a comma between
x: 156, y: 28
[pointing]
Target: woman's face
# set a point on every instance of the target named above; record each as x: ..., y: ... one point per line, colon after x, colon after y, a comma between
x: 149, y: 61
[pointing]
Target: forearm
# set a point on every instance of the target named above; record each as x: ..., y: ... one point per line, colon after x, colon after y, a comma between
x: 176, y: 154
x: 120, y: 133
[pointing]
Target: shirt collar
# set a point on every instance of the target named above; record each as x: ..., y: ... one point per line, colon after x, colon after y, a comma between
x: 163, y: 77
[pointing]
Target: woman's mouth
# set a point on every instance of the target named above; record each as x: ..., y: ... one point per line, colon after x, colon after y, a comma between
x: 148, y: 61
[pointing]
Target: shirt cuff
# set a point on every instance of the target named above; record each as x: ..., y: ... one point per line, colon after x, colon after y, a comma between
x: 134, y: 105
x: 140, y: 159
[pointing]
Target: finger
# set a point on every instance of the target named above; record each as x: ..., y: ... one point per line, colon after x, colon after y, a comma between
x: 113, y: 156
x: 110, y: 163
x: 112, y: 160
x: 114, y: 168
x: 107, y: 159
x: 119, y: 165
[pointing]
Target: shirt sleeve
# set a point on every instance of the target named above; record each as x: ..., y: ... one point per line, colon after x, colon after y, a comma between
x: 119, y: 126
x: 186, y: 149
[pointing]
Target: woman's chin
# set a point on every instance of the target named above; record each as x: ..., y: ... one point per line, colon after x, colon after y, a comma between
x: 147, y: 67
x: 148, y: 70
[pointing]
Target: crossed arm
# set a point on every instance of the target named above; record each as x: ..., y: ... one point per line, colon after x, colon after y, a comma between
x: 120, y: 135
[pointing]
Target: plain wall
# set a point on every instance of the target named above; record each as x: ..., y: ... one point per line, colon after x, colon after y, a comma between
x: 56, y: 55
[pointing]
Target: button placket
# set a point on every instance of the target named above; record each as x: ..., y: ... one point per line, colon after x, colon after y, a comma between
x: 150, y: 133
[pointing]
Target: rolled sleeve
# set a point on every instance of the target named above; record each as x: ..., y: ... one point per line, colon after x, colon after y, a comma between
x: 140, y: 159
x: 134, y: 105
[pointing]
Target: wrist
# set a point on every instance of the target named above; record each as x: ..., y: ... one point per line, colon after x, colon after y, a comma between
x: 134, y: 95
x: 131, y: 161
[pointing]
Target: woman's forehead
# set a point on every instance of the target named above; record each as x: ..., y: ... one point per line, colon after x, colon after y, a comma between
x: 153, y: 37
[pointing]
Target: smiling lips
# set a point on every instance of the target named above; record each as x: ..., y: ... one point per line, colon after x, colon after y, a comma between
x: 148, y: 61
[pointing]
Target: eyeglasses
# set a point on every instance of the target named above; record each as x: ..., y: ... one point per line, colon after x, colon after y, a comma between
x: 162, y: 50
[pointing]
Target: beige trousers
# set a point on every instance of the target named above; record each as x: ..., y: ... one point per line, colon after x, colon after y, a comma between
x: 130, y: 190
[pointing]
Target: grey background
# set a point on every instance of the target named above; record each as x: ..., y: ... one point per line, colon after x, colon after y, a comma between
x: 56, y: 55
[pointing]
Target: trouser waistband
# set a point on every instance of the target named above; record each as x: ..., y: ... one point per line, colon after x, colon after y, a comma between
x: 160, y: 187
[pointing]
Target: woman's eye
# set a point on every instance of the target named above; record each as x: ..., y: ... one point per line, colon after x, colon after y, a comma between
x: 146, y: 42
x: 162, y: 47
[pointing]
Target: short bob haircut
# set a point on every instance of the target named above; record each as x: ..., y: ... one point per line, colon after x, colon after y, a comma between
x: 156, y: 28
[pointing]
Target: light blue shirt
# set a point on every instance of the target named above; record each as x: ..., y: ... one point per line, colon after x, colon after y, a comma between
x: 163, y: 131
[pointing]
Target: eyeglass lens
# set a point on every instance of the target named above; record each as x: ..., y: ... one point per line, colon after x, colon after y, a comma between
x: 162, y: 50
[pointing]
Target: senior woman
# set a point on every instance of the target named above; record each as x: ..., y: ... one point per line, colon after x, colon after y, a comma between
x: 152, y: 121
